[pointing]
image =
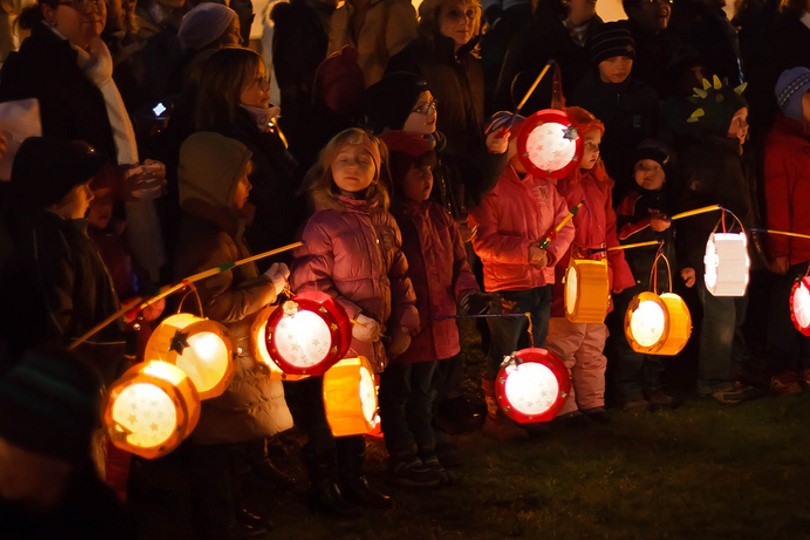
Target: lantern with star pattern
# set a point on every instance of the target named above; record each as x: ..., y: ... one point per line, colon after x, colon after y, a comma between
x: 587, y: 291
x: 350, y: 397
x: 200, y: 347
x: 258, y: 346
x: 548, y: 144
x: 151, y: 409
x: 308, y: 334
x: 532, y: 385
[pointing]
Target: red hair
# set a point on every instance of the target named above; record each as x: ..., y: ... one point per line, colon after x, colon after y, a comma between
x: 585, y: 122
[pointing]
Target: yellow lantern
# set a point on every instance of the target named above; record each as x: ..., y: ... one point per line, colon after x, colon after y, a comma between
x: 587, y: 291
x: 726, y: 264
x: 350, y: 397
x: 151, y: 409
x: 258, y: 346
x: 200, y: 347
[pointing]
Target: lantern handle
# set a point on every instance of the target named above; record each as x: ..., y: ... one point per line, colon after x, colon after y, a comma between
x: 654, y: 271
x: 192, y: 289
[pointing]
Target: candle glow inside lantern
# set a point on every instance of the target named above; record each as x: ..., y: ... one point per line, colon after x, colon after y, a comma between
x: 800, y: 305
x: 308, y: 334
x: 587, y: 291
x: 350, y: 397
x: 548, y: 144
x: 151, y: 409
x: 258, y: 346
x: 532, y: 385
x: 657, y: 324
x: 726, y: 264
x: 200, y: 347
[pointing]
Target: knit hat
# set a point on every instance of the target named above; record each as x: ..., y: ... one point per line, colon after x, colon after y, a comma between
x: 210, y: 167
x: 655, y: 150
x: 717, y: 103
x: 790, y: 89
x: 390, y: 101
x: 45, y: 169
x: 504, y: 119
x: 339, y: 82
x: 611, y: 39
x: 203, y: 25
x: 50, y: 404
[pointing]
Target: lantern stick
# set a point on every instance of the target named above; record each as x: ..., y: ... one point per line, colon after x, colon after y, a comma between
x: 696, y: 211
x: 553, y: 234
x: 784, y: 233
x: 533, y: 87
x: 479, y: 316
x: 591, y: 251
x: 138, y: 304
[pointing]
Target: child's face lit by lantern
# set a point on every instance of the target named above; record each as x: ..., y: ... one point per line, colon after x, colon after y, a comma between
x: 353, y: 169
x: 590, y: 153
x: 422, y: 119
x: 256, y: 90
x: 738, y: 128
x: 649, y: 175
x: 74, y: 205
x: 418, y: 182
x: 457, y: 21
x: 101, y: 209
x: 615, y: 70
x: 242, y: 189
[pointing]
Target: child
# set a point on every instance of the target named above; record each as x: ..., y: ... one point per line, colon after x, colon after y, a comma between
x: 642, y: 216
x: 580, y: 345
x: 352, y: 251
x: 214, y: 188
x: 512, y: 221
x: 441, y: 278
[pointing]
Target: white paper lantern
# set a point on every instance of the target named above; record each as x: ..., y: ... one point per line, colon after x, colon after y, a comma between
x: 726, y: 264
x: 800, y: 305
x: 532, y: 385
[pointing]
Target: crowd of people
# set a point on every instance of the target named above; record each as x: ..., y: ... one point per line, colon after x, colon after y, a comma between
x: 393, y: 155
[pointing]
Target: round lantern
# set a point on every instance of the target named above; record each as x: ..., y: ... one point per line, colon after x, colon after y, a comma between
x: 548, y: 144
x: 200, y: 347
x: 800, y: 305
x: 587, y: 291
x: 658, y: 325
x: 308, y: 334
x: 151, y: 409
x: 532, y: 385
x: 726, y: 264
x: 258, y: 346
x: 350, y: 397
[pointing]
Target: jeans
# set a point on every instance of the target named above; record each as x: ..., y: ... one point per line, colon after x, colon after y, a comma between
x: 788, y: 349
x: 722, y: 344
x: 406, y: 407
x: 509, y: 334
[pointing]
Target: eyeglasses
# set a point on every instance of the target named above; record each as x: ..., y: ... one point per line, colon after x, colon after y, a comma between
x: 427, y: 108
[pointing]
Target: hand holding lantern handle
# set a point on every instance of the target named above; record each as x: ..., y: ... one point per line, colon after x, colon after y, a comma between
x: 366, y: 329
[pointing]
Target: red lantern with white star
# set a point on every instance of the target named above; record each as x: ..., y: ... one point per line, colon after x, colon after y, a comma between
x: 258, y: 346
x: 308, y: 334
x: 532, y: 385
x: 800, y: 305
x: 548, y: 144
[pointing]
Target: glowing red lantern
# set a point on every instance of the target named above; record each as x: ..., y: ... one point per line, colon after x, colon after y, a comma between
x: 800, y: 305
x: 532, y: 385
x: 308, y: 334
x: 258, y: 346
x: 548, y: 144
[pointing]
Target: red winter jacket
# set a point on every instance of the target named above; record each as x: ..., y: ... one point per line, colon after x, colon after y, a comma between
x: 510, y: 218
x: 440, y: 275
x: 353, y: 252
x: 595, y: 225
x: 787, y: 188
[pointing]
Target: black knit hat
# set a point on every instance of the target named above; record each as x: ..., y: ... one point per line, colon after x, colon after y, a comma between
x: 716, y: 103
x: 50, y: 404
x: 654, y: 150
x: 611, y: 39
x: 390, y: 101
x: 45, y: 169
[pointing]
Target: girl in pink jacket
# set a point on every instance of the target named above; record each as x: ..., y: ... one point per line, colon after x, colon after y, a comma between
x: 352, y: 251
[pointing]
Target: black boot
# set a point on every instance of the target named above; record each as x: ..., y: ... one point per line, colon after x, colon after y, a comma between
x: 353, y: 483
x: 324, y: 493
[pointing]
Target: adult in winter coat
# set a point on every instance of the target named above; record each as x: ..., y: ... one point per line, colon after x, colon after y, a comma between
x: 213, y: 193
x: 655, y: 46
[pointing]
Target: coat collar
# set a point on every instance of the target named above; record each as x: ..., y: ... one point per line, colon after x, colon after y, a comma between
x: 225, y: 219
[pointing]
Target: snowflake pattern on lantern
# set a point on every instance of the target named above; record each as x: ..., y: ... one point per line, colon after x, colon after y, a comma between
x: 303, y: 338
x: 146, y: 414
x: 550, y: 146
x: 531, y: 388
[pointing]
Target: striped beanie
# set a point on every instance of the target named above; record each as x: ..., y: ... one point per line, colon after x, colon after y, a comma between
x: 790, y: 88
x: 611, y: 39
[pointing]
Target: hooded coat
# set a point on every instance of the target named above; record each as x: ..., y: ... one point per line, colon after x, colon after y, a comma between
x: 212, y: 234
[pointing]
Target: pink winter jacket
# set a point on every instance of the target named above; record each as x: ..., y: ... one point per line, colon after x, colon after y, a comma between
x: 595, y: 224
x: 353, y: 252
x: 440, y: 275
x: 510, y: 218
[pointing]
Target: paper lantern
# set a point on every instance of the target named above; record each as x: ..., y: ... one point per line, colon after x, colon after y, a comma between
x: 308, y: 334
x: 548, y: 144
x: 200, y: 347
x: 258, y: 346
x: 532, y: 385
x: 658, y: 325
x: 587, y: 291
x: 151, y: 409
x: 726, y: 264
x: 800, y: 305
x: 350, y: 397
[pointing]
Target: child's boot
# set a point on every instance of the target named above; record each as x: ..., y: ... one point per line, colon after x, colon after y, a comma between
x: 354, y: 485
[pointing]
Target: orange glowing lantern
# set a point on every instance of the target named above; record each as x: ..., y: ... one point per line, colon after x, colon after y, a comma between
x: 659, y: 325
x: 200, y: 347
x: 308, y: 334
x: 587, y: 291
x: 532, y: 385
x: 350, y: 397
x: 151, y: 409
x: 800, y: 305
x: 258, y: 346
x: 726, y: 264
x: 548, y: 144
